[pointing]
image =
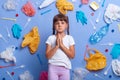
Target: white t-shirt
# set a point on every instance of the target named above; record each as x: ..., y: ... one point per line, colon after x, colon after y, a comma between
x: 60, y: 58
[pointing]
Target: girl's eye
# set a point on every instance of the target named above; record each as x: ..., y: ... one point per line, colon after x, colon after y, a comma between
x: 56, y: 23
x: 62, y: 22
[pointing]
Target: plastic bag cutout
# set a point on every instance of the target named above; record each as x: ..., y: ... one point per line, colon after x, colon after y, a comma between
x: 7, y: 55
x: 32, y: 40
x: 112, y: 13
x: 43, y: 76
x: 95, y: 61
x: 115, y: 53
x: 10, y: 5
x: 80, y: 16
x: 116, y: 67
x: 98, y: 35
x: 16, y: 31
x: 85, y: 1
x: 28, y: 9
x: 79, y: 74
x: 26, y: 76
x: 63, y: 6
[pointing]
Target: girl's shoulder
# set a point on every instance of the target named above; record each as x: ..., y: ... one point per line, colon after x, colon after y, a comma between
x: 52, y: 36
x: 69, y: 36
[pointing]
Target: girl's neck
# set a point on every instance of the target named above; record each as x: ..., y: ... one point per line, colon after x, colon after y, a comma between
x: 62, y: 34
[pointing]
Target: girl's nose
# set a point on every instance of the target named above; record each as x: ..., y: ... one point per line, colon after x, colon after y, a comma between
x: 59, y: 25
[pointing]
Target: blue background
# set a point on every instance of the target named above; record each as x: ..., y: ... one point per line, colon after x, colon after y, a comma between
x: 81, y: 34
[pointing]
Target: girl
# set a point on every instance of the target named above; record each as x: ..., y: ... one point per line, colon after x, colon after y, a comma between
x: 60, y: 49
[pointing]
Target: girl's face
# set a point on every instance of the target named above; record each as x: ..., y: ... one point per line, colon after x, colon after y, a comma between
x: 61, y: 26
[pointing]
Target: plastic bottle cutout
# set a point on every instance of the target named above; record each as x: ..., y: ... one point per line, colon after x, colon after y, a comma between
x: 10, y: 75
x: 98, y: 76
x: 73, y: 0
x: 80, y: 5
x: 38, y: 56
x: 21, y: 66
x: 12, y: 19
x: 108, y: 44
x: 29, y: 19
x: 94, y: 27
x: 98, y: 17
x: 45, y: 12
x: 103, y: 3
x: 1, y: 36
x: 79, y: 73
x: 8, y: 33
x: 99, y: 1
x: 106, y: 71
x: 46, y: 3
x: 7, y: 66
x: 97, y: 36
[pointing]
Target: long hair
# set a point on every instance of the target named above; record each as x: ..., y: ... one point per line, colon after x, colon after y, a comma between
x: 60, y: 17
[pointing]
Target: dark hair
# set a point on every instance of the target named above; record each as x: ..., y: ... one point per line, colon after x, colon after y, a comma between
x: 60, y: 17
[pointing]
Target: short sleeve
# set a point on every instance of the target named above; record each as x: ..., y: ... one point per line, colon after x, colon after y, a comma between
x: 48, y: 41
x: 72, y: 42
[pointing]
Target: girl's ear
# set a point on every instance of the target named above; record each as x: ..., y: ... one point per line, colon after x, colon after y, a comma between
x: 66, y: 25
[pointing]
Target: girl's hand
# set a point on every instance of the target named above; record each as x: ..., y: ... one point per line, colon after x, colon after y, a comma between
x: 61, y: 43
x: 58, y: 40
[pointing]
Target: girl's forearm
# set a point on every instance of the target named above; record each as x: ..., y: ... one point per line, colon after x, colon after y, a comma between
x: 68, y: 52
x: 51, y: 52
